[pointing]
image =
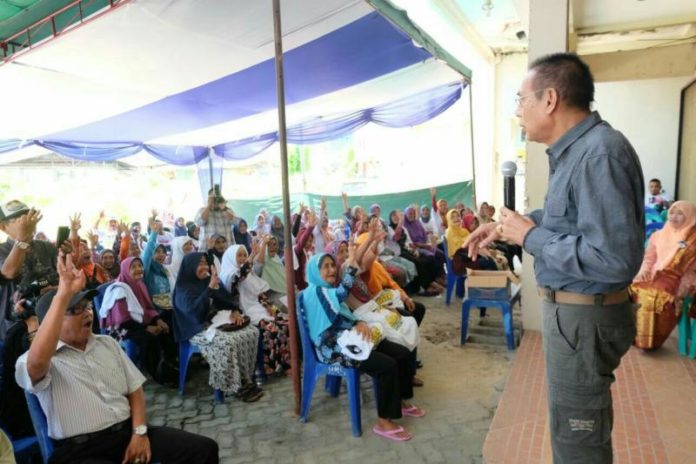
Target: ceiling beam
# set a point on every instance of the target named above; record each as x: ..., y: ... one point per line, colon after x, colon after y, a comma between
x: 636, y: 25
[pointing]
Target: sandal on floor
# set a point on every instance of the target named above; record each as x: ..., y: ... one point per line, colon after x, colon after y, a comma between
x: 416, y: 382
x: 413, y: 411
x: 393, y: 434
x: 253, y: 395
x: 428, y: 293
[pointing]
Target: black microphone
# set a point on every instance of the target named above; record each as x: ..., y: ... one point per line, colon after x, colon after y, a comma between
x: 509, y: 168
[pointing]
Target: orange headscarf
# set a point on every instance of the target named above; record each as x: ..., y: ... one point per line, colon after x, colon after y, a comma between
x: 670, y: 239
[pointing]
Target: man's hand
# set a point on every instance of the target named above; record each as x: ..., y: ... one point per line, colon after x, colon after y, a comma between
x: 24, y: 228
x: 514, y: 227
x: 138, y: 450
x: 478, y: 239
x: 71, y: 280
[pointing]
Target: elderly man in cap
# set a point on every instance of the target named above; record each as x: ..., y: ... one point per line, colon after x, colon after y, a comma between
x: 91, y: 392
x: 22, y: 261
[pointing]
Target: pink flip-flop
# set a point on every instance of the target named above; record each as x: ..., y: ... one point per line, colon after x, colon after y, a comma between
x: 413, y: 411
x: 392, y: 434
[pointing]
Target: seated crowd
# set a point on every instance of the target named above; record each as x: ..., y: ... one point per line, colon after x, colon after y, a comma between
x: 220, y: 284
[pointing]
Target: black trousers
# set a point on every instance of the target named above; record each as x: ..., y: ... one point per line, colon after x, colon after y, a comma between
x: 167, y: 445
x: 393, y: 366
x: 418, y: 313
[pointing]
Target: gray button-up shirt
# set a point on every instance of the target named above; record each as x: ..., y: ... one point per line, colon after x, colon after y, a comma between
x: 589, y: 236
x: 84, y: 391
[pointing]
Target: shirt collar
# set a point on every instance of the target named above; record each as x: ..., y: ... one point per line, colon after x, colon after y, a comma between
x: 567, y: 139
x: 90, y: 344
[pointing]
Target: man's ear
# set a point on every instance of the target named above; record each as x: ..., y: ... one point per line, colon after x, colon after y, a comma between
x: 551, y: 100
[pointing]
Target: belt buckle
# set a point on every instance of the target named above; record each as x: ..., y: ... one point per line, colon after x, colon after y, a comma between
x: 549, y: 294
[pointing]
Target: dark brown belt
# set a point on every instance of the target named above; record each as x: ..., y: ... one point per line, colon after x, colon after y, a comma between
x: 603, y: 299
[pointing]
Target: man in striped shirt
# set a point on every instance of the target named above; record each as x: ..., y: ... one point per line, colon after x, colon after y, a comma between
x: 91, y: 392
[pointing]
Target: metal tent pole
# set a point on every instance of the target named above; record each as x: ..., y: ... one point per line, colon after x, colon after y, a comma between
x: 282, y: 138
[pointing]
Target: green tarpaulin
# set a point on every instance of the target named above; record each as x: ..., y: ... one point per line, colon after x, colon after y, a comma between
x: 453, y: 193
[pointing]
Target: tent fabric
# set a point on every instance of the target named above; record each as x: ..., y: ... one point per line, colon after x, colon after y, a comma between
x: 357, y: 52
x: 409, y: 111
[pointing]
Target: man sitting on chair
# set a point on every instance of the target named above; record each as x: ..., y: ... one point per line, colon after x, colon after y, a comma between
x: 91, y: 392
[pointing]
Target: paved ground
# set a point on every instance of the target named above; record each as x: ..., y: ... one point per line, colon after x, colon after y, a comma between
x: 462, y: 388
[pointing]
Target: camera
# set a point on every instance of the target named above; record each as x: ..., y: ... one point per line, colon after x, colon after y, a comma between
x: 30, y: 293
x: 218, y: 197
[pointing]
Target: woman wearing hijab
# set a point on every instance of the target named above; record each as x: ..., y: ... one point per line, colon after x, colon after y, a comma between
x: 127, y: 312
x: 419, y: 237
x: 157, y: 278
x: 108, y: 261
x: 181, y: 246
x: 456, y: 235
x: 180, y: 229
x: 667, y: 276
x: 426, y: 266
x: 390, y: 363
x: 272, y: 270
x: 237, y: 274
x: 260, y: 227
x: 278, y: 231
x: 202, y: 307
x: 242, y: 235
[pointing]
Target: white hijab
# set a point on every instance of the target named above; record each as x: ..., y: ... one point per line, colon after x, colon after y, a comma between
x: 178, y: 256
x: 249, y: 289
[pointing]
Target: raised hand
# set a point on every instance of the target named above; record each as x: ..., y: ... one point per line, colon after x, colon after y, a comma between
x: 93, y: 239
x: 433, y: 192
x: 25, y: 226
x: 214, y: 277
x: 122, y: 227
x: 312, y: 219
x: 352, y: 249
x: 71, y: 280
x: 76, y: 221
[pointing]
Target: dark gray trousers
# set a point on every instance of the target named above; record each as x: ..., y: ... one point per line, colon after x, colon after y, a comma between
x: 583, y: 345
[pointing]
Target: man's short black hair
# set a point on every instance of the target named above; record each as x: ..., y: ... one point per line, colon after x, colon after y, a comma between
x: 655, y: 180
x: 569, y: 75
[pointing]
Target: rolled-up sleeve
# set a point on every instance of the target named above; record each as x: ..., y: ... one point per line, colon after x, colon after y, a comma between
x: 23, y: 379
x: 605, y: 199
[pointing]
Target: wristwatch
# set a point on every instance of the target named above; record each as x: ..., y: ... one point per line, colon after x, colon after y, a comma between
x: 140, y: 430
x: 22, y: 245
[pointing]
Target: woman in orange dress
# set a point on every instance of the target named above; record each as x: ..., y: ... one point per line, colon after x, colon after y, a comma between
x: 667, y: 276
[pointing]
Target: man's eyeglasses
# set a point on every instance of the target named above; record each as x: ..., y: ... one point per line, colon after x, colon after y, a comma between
x: 520, y: 98
x: 79, y: 308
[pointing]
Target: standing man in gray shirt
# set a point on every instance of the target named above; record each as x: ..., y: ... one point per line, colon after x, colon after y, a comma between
x: 587, y: 243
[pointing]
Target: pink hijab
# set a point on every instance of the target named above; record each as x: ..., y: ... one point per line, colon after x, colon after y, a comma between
x: 668, y: 241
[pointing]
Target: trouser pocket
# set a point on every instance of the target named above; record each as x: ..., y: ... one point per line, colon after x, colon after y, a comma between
x: 577, y: 426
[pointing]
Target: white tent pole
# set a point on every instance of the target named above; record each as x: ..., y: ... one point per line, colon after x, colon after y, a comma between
x: 471, y: 137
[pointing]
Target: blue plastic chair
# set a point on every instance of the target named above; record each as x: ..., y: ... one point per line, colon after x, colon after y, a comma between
x: 312, y: 369
x: 504, y: 305
x: 186, y: 351
x: 38, y: 419
x: 452, y: 279
x: 129, y: 346
x: 687, y: 332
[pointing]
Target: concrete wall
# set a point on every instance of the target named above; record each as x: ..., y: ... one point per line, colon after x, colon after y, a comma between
x: 647, y: 112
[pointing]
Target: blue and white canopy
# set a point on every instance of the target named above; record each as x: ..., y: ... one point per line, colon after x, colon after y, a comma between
x: 174, y: 78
